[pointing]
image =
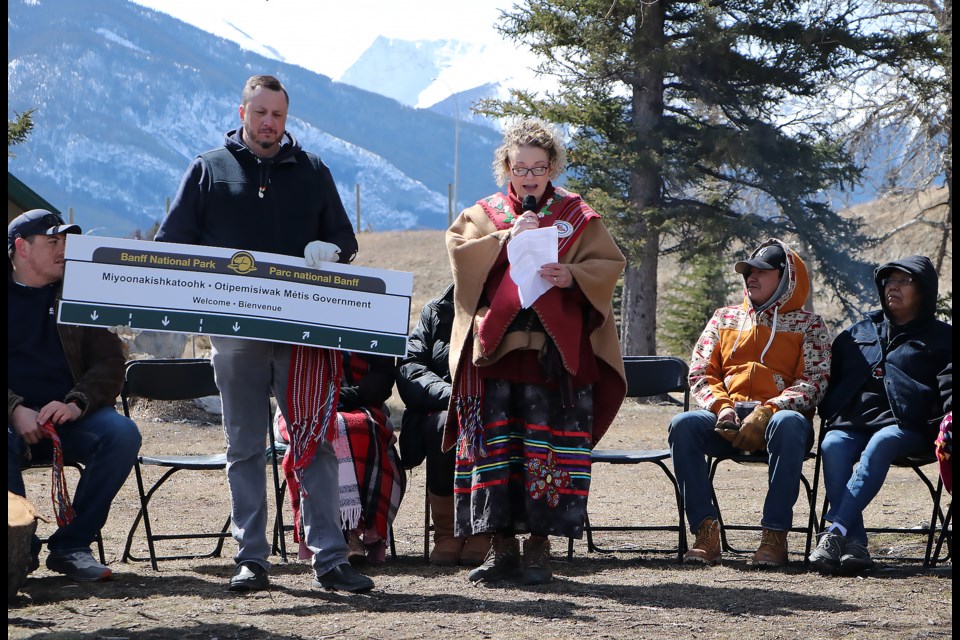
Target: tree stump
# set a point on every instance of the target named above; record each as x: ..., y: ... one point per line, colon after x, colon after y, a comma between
x: 21, y: 524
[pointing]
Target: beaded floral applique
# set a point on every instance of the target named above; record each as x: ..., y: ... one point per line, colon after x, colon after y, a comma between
x: 544, y: 478
x: 507, y: 210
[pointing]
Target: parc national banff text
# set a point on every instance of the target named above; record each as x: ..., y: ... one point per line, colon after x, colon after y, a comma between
x: 274, y: 271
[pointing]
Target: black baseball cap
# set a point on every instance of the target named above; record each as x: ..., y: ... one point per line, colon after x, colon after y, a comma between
x: 37, y: 222
x: 770, y: 256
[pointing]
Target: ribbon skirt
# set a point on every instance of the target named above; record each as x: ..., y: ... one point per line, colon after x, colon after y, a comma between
x: 535, y: 476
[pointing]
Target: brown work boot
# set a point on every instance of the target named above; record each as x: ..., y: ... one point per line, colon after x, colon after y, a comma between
x: 536, y: 561
x: 706, y: 549
x: 475, y: 549
x: 446, y: 547
x: 503, y: 560
x: 773, y: 549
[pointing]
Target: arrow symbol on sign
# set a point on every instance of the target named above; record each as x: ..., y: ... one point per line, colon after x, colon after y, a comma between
x: 201, y: 325
x: 339, y: 340
x: 306, y: 334
x: 373, y: 343
x: 94, y: 315
x: 236, y: 327
x: 130, y: 320
x: 165, y: 321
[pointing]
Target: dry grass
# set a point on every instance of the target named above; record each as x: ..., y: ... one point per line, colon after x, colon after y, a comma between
x: 423, y: 253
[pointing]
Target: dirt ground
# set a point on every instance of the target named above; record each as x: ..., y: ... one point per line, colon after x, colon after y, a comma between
x: 597, y: 595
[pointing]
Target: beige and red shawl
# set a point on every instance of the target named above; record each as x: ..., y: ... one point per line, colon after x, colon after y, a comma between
x: 474, y: 243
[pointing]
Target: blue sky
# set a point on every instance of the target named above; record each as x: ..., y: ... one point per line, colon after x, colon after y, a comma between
x: 328, y: 36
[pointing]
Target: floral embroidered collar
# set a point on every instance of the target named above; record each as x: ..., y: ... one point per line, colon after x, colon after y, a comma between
x: 516, y: 205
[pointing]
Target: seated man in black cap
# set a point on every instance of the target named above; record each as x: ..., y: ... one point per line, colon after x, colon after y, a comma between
x: 758, y: 372
x: 62, y: 382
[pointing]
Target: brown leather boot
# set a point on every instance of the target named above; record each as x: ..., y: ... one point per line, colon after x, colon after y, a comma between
x: 503, y: 561
x: 706, y: 549
x: 475, y: 549
x: 446, y: 547
x: 773, y: 549
x: 536, y: 561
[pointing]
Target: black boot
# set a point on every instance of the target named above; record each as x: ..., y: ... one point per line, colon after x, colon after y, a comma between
x: 503, y: 560
x: 536, y: 560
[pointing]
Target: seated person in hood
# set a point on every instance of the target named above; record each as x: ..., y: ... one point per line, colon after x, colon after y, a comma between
x: 758, y: 371
x: 889, y: 390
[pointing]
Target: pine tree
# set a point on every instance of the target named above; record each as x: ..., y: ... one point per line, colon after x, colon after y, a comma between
x: 703, y: 286
x: 689, y: 130
x: 18, y: 130
x: 901, y: 107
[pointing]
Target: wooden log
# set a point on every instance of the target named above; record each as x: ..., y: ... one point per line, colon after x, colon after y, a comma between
x: 21, y: 525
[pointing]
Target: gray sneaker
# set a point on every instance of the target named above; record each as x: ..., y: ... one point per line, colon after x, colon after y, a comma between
x: 830, y: 546
x: 855, y: 558
x: 78, y: 565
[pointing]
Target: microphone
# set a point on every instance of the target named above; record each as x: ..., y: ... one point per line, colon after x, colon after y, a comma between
x: 530, y: 203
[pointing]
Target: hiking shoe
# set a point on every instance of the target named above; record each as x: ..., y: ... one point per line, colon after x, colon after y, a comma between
x: 78, y: 565
x: 772, y: 551
x: 706, y: 549
x: 855, y: 558
x: 536, y: 561
x: 502, y: 561
x: 826, y: 557
x: 250, y: 576
x: 344, y: 577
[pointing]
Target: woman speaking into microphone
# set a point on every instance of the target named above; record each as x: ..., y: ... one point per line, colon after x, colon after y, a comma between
x: 535, y: 383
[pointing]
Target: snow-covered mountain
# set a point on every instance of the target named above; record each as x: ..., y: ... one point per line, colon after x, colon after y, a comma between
x: 125, y: 97
x: 447, y: 76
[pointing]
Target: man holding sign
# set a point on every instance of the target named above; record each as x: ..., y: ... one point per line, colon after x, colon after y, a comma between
x: 262, y: 192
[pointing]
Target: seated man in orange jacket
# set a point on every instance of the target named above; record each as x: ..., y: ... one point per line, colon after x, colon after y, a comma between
x: 758, y: 371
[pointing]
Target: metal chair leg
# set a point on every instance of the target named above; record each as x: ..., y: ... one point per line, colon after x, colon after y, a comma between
x: 278, y: 499
x: 426, y: 525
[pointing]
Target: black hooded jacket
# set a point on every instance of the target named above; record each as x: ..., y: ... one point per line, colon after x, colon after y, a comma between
x: 423, y: 376
x: 884, y: 374
x: 231, y: 198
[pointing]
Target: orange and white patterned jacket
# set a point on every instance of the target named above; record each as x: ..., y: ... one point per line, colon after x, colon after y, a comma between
x: 779, y: 356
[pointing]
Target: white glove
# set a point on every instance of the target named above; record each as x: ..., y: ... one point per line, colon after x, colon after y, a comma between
x: 319, y: 251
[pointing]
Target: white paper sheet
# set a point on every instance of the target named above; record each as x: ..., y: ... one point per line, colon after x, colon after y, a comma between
x: 527, y: 252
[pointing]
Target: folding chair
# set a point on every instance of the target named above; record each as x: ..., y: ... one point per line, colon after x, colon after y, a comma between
x: 939, y: 522
x: 761, y: 459
x: 946, y: 536
x: 169, y: 380
x: 646, y: 376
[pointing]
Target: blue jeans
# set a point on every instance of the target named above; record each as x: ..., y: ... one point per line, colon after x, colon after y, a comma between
x: 106, y: 443
x: 692, y: 438
x: 247, y: 373
x: 855, y: 464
